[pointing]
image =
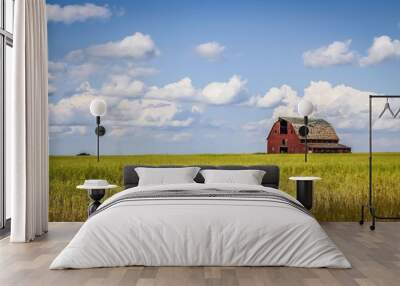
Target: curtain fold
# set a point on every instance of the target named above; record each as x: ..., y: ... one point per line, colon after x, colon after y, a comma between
x: 28, y: 121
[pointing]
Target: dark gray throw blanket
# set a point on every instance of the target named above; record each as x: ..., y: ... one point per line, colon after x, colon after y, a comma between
x: 204, y: 193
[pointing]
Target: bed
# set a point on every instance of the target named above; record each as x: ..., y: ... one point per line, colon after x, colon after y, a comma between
x: 198, y: 224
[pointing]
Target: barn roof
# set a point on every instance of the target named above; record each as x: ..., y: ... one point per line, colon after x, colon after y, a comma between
x: 320, y: 129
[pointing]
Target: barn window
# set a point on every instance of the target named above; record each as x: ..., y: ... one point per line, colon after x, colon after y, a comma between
x: 284, y: 127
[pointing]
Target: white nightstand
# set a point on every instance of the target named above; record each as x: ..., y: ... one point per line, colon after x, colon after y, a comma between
x: 96, y: 190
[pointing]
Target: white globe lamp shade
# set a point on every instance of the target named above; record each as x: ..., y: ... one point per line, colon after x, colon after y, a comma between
x: 98, y: 107
x: 305, y: 107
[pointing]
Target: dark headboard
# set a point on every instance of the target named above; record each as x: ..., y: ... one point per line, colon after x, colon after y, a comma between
x: 271, y: 177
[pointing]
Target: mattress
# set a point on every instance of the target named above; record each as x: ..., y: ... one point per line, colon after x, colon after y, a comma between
x: 201, y: 225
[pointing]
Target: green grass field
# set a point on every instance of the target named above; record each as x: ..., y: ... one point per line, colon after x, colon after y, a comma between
x: 338, y: 196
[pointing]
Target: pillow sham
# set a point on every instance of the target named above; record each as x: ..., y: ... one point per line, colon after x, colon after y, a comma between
x: 248, y: 177
x: 166, y: 176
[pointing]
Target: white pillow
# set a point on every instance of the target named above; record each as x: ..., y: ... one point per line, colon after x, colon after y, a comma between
x: 166, y: 176
x: 248, y: 177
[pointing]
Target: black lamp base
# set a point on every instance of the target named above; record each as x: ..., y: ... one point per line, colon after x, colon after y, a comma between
x: 96, y: 195
x: 304, y: 193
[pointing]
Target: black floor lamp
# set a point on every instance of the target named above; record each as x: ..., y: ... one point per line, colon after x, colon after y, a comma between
x: 98, y: 108
x: 305, y: 108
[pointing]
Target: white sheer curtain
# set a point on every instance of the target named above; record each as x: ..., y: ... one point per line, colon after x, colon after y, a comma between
x: 28, y: 124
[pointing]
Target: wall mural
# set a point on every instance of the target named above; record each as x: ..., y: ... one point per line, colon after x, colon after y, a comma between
x: 190, y: 77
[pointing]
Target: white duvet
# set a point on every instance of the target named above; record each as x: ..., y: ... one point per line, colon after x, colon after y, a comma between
x: 199, y: 231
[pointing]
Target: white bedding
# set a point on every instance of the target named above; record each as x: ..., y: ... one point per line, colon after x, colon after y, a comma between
x: 200, y: 231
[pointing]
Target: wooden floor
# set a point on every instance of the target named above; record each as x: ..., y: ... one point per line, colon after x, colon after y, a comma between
x: 375, y: 257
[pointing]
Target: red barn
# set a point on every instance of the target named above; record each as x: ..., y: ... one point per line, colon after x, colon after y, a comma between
x: 284, y: 137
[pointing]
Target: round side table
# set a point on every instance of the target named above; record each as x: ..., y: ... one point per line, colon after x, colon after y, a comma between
x: 96, y: 193
x: 304, y: 190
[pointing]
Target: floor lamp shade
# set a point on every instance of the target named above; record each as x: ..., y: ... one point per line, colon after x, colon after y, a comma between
x: 305, y: 108
x: 98, y: 107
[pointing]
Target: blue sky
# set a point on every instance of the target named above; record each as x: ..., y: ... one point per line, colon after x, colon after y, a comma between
x: 211, y: 76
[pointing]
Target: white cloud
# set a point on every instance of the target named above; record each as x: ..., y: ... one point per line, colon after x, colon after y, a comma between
x: 131, y: 103
x: 386, y: 124
x: 141, y: 71
x: 137, y: 46
x: 273, y: 97
x: 164, y: 135
x: 122, y: 113
x: 198, y: 109
x: 56, y: 66
x: 223, y: 92
x: 117, y: 131
x: 76, y: 13
x: 176, y: 90
x: 175, y: 137
x: 73, y: 110
x: 122, y: 85
x: 337, y: 53
x: 344, y: 106
x: 383, y: 48
x: 150, y: 113
x: 210, y: 50
x: 99, y: 61
x: 51, y: 88
x: 74, y: 72
x: 183, y: 136
x: 68, y: 129
x: 258, y: 126
x: 213, y: 93
x: 82, y: 71
x: 75, y: 56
